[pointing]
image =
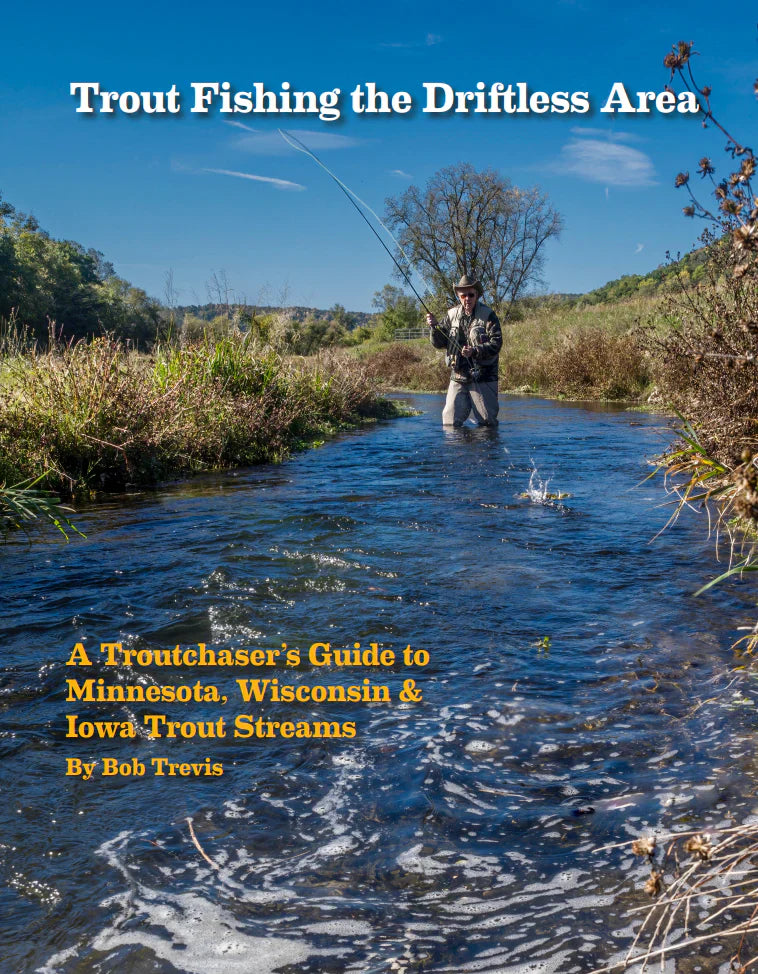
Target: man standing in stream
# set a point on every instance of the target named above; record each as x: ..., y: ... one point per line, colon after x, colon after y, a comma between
x: 471, y: 334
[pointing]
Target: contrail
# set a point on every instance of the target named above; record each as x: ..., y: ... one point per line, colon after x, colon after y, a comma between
x: 278, y: 183
x: 241, y: 125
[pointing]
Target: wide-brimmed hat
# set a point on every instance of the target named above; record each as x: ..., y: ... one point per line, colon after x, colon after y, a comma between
x: 468, y: 281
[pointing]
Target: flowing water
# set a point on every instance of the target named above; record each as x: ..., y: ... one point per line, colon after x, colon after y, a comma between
x: 462, y: 832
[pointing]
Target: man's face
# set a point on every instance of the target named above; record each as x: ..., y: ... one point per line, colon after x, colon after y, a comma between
x: 468, y: 299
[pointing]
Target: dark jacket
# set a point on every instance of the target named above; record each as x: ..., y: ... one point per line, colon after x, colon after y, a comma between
x: 481, y: 331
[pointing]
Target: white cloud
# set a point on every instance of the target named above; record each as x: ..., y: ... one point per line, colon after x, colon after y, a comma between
x: 606, y: 162
x: 431, y: 40
x: 273, y: 144
x: 639, y: 248
x: 277, y: 183
x: 609, y: 134
x: 401, y: 173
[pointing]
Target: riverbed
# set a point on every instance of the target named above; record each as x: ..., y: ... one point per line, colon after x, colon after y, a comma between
x: 548, y: 659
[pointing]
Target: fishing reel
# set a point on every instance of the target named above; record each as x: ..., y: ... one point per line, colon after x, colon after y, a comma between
x: 477, y: 336
x: 463, y: 369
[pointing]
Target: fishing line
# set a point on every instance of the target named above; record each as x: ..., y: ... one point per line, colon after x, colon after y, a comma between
x: 295, y: 143
x: 352, y: 197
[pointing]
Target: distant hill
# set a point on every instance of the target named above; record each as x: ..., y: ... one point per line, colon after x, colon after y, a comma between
x: 621, y: 289
x: 207, y: 312
x: 660, y: 279
x: 45, y: 280
x: 691, y: 266
x: 628, y: 286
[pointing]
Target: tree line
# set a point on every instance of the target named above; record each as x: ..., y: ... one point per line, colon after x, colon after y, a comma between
x: 462, y: 222
x: 44, y: 281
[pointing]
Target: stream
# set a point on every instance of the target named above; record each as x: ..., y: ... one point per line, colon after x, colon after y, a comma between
x: 455, y: 823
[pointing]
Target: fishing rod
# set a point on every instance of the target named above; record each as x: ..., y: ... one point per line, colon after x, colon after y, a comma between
x: 295, y: 143
x: 352, y: 197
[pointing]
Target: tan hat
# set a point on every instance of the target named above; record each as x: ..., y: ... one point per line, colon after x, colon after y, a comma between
x: 468, y: 281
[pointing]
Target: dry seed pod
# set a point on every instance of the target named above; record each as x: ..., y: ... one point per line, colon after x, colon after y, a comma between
x: 699, y: 845
x: 654, y: 885
x: 644, y: 847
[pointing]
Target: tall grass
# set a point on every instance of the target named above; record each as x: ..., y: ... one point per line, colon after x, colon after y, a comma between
x: 412, y: 365
x: 99, y: 416
x: 706, y: 365
x: 579, y: 351
x: 591, y: 351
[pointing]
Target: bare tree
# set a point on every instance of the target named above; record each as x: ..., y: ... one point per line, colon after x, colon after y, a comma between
x: 220, y: 292
x: 469, y: 222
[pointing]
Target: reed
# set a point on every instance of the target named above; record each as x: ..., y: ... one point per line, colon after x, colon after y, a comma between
x: 25, y: 506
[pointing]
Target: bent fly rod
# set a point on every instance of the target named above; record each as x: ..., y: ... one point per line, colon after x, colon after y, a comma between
x: 295, y: 143
x: 352, y: 197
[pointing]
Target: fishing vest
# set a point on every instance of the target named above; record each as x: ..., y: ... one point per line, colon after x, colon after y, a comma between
x: 458, y: 337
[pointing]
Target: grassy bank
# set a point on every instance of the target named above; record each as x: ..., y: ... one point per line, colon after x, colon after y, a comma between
x: 580, y: 351
x: 588, y: 351
x: 98, y: 416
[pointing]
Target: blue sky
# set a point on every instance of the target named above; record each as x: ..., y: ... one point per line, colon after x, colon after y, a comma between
x: 159, y: 193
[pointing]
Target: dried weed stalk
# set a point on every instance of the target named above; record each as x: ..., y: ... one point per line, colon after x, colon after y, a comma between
x: 705, y: 887
x: 707, y: 364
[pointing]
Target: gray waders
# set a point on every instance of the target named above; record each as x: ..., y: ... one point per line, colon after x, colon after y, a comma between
x: 477, y: 398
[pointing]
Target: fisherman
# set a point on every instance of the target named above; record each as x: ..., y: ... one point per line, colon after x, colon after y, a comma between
x: 471, y: 334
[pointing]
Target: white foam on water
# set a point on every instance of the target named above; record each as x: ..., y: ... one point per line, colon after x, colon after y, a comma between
x: 667, y: 799
x: 510, y: 721
x: 341, y: 928
x: 444, y: 860
x: 203, y: 939
x: 53, y: 963
x: 454, y: 789
x: 592, y: 901
x: 494, y: 963
x: 337, y: 847
x: 335, y: 804
x: 480, y: 747
x: 349, y: 759
x: 662, y: 757
x: 196, y: 935
x: 477, y: 908
x: 234, y: 809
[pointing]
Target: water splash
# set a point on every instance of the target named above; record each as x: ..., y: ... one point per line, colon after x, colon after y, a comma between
x: 538, y: 492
